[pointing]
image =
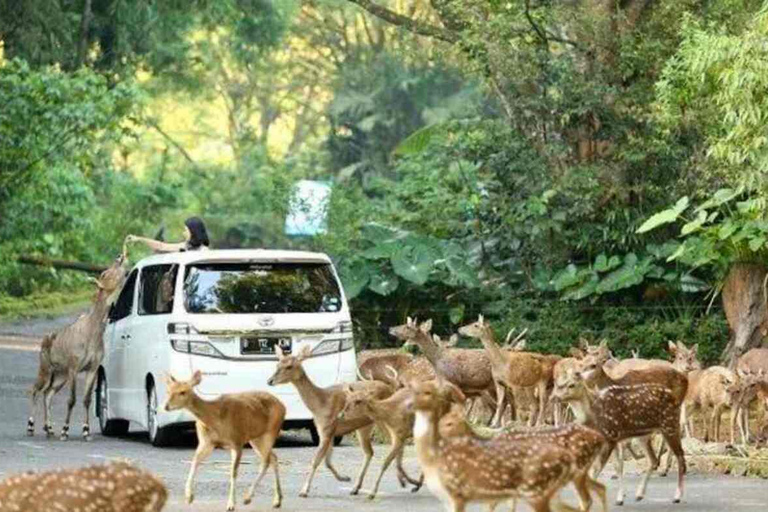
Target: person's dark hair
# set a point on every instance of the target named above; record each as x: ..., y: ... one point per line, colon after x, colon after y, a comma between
x: 199, y: 234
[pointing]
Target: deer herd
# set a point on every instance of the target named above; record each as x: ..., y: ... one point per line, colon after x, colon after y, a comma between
x: 580, y: 410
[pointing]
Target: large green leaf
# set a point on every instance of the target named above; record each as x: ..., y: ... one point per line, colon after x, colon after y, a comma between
x: 719, y: 198
x: 695, y: 224
x: 383, y: 250
x: 584, y: 290
x: 456, y: 314
x: 377, y: 233
x: 419, y: 140
x: 354, y: 276
x: 603, y: 264
x: 631, y: 273
x: 462, y: 272
x: 664, y: 217
x: 384, y: 284
x: 413, y: 263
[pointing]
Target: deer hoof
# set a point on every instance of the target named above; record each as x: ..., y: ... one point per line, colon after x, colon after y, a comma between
x: 247, y: 501
x: 371, y: 497
x: 638, y: 498
x: 230, y: 507
x: 189, y: 498
x: 354, y: 492
x: 303, y: 494
x: 619, y: 503
x: 277, y: 503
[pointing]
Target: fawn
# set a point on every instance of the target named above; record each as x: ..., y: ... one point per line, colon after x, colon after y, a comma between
x: 464, y: 469
x: 325, y: 404
x: 230, y: 421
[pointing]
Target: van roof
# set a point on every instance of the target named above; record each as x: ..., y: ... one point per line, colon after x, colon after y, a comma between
x: 236, y: 255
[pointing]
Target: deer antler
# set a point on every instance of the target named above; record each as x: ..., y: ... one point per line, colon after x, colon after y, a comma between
x: 362, y: 377
x: 390, y: 369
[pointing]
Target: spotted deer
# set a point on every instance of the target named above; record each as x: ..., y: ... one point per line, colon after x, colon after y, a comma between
x: 511, y: 370
x: 741, y: 394
x: 396, y: 417
x: 621, y: 412
x: 325, y: 404
x: 584, y: 443
x: 463, y: 469
x: 376, y: 366
x: 708, y: 388
x: 230, y: 421
x: 113, y: 487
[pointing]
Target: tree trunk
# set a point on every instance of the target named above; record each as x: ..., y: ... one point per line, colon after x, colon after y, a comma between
x: 71, y: 265
x: 744, y: 301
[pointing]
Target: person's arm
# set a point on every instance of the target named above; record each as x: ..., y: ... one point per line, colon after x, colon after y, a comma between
x: 155, y: 245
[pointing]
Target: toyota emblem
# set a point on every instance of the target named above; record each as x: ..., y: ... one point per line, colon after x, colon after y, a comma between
x: 266, y: 321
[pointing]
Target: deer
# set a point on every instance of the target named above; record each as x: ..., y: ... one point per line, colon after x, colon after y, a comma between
x: 584, y: 443
x: 468, y: 369
x: 77, y: 348
x: 325, y: 404
x: 113, y: 487
x: 621, y: 412
x: 396, y: 417
x: 511, y: 369
x: 463, y: 469
x: 684, y: 360
x: 377, y: 367
x: 709, y: 388
x: 741, y: 394
x: 230, y: 421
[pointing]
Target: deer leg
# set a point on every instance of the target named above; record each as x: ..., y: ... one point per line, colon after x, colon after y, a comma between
x: 599, y: 489
x: 653, y: 463
x: 620, y: 474
x: 744, y: 425
x: 416, y: 483
x: 580, y: 483
x: 72, y: 379
x: 458, y: 505
x: 237, y: 454
x: 673, y: 440
x: 364, y: 437
x: 543, y: 398
x: 500, y: 392
x: 263, y: 447
x: 396, y: 448
x: 204, y: 450
x: 57, y: 382
x: 718, y: 413
x: 90, y: 383
x: 41, y: 385
x: 325, y: 443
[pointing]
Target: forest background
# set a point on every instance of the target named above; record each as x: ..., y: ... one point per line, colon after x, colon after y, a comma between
x: 579, y: 168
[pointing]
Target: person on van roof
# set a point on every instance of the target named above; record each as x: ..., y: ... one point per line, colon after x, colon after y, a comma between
x: 195, y: 238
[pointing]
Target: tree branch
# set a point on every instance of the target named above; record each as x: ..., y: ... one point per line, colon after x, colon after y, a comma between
x: 173, y: 142
x: 417, y: 27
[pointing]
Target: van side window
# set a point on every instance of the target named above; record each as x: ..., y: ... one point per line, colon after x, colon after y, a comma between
x: 124, y: 304
x: 156, y: 289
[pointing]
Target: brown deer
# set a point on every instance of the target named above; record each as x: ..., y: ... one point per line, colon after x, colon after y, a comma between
x: 684, y: 360
x: 464, y: 469
x: 584, y: 443
x: 230, y: 421
x: 468, y: 369
x: 114, y: 487
x: 753, y: 361
x: 511, y: 369
x: 621, y: 412
x: 325, y: 404
x: 741, y: 394
x: 77, y: 348
x: 396, y: 417
x: 377, y: 367
x: 708, y: 388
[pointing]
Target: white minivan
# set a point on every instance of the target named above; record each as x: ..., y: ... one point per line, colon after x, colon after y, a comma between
x: 221, y: 312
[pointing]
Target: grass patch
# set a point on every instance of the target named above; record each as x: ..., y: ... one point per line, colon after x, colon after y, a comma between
x: 43, y: 303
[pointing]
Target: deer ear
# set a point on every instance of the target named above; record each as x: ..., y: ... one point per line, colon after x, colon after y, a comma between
x: 671, y: 347
x: 521, y: 345
x: 576, y: 352
x: 695, y: 349
x: 168, y: 378
x: 408, y: 321
x: 426, y: 326
x: 197, y: 378
x: 279, y: 352
x: 304, y: 353
x: 453, y: 340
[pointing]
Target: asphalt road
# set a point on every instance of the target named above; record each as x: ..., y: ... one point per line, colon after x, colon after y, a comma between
x: 19, y: 453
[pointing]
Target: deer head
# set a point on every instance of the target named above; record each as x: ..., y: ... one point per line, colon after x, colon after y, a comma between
x: 180, y: 392
x: 454, y: 423
x: 684, y: 359
x: 356, y: 404
x: 113, y: 277
x: 289, y: 367
x: 591, y: 364
x: 478, y: 329
x: 449, y: 343
x: 411, y: 329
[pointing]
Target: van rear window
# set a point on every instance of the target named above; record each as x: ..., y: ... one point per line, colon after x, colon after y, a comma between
x: 261, y: 288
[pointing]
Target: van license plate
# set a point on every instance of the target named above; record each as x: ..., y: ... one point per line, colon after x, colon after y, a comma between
x: 263, y: 345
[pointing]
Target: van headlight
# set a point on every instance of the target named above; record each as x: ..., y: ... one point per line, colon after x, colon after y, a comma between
x: 347, y: 344
x: 326, y: 347
x: 201, y: 348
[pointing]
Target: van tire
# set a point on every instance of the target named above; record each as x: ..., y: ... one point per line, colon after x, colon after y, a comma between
x: 109, y: 428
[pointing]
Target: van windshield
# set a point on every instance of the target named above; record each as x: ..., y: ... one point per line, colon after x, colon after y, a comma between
x: 261, y: 288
